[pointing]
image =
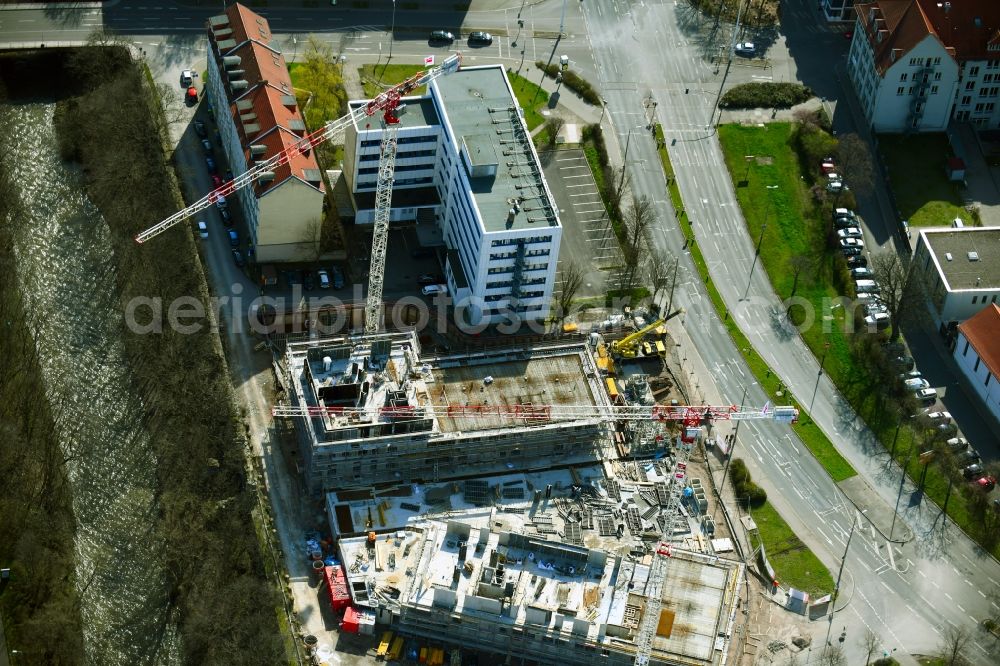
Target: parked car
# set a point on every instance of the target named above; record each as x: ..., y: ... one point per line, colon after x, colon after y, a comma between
x: 856, y: 260
x: 852, y: 242
x: 836, y: 186
x: 227, y: 218
x: 876, y: 307
x: 915, y: 383
x: 442, y: 36
x: 220, y: 202
x: 909, y: 374
x: 987, y: 483
x: 427, y: 278
x: 903, y: 362
x: 866, y: 287
x: 956, y: 444
x: 925, y: 394
x: 434, y: 289
x: 202, y: 229
x: 879, y: 320
x: 324, y: 278
x: 861, y: 272
x: 216, y: 181
x: 229, y: 175
x: 850, y: 250
x: 746, y: 49
x: 199, y: 128
x: 938, y: 416
x: 845, y: 222
x: 946, y: 429
x: 238, y: 258
x: 849, y: 232
x: 973, y: 471
x: 206, y: 145
x: 187, y: 76
x: 337, y: 276
x: 308, y: 281
x: 191, y: 96
x: 234, y: 238
x: 967, y: 457
x: 481, y: 38
x: 843, y: 212
x: 210, y: 163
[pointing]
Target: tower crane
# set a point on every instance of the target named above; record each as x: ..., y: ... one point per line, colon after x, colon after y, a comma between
x: 388, y: 102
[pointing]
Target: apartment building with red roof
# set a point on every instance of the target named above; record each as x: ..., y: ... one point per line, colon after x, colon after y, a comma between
x: 255, y: 109
x: 977, y: 352
x: 918, y: 64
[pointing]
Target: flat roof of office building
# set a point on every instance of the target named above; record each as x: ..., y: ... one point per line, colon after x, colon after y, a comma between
x: 967, y: 258
x: 483, y: 114
x: 414, y: 112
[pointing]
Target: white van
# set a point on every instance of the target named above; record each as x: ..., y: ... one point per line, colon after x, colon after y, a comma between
x: 202, y: 229
x: 434, y: 289
x: 866, y: 286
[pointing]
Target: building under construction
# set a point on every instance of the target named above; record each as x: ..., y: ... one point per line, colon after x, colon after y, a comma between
x: 375, y: 409
x: 525, y: 574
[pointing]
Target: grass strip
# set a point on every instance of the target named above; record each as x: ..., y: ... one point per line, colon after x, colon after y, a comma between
x: 531, y: 97
x: 810, y: 434
x: 795, y: 564
x: 377, y: 78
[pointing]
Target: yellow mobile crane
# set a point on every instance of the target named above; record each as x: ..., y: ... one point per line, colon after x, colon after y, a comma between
x: 628, y: 347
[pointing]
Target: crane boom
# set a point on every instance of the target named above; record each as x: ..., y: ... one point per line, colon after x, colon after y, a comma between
x: 530, y: 412
x: 387, y: 100
x: 627, y: 345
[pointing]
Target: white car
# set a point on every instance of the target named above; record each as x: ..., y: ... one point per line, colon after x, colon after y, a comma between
x: 878, y: 306
x: 434, y: 289
x: 916, y: 383
x: 861, y: 272
x: 852, y: 242
x: 836, y: 187
x: 202, y: 229
x: 925, y: 394
x: 849, y: 232
x: 746, y: 49
x: 878, y: 320
x: 187, y: 76
x: 324, y: 278
x: 957, y: 443
x: 938, y: 416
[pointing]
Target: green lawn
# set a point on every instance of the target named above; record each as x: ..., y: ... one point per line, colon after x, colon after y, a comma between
x: 814, y: 439
x: 916, y: 164
x: 388, y: 75
x: 531, y: 97
x: 794, y: 564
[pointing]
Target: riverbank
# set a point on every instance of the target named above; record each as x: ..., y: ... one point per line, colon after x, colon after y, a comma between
x: 39, y: 604
x: 226, y: 605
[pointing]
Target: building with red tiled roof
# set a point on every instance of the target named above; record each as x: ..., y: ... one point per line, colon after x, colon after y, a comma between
x: 977, y: 352
x: 258, y: 117
x: 918, y: 64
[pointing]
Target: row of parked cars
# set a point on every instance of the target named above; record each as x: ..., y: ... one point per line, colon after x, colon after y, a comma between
x: 852, y: 246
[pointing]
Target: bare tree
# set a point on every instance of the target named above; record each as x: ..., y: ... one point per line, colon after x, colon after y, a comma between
x: 615, y: 182
x: 637, y: 220
x: 798, y: 263
x: 832, y: 655
x: 898, y: 286
x: 662, y: 275
x: 312, y: 234
x: 552, y: 127
x: 856, y: 163
x: 954, y: 640
x: 571, y: 274
x: 870, y: 642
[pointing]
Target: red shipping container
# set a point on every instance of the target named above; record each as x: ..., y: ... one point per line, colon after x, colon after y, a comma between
x: 336, y: 586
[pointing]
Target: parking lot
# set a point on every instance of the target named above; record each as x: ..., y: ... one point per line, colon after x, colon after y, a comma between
x: 587, y: 238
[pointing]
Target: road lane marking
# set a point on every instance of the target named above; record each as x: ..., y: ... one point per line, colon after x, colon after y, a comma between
x: 957, y: 572
x: 949, y: 596
x: 935, y: 584
x: 884, y: 585
x: 981, y: 593
x: 969, y: 583
x: 959, y: 607
x: 921, y: 573
x: 925, y: 599
x: 967, y: 558
x: 993, y: 581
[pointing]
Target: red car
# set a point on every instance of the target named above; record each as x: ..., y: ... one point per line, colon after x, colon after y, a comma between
x: 216, y: 181
x: 987, y: 483
x: 191, y: 97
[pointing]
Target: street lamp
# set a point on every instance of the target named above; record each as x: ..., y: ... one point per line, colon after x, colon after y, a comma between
x: 760, y: 240
x: 822, y: 360
x: 392, y: 30
x: 562, y: 20
x: 604, y: 108
x: 628, y: 139
x: 836, y: 587
x: 899, y: 495
x: 729, y: 455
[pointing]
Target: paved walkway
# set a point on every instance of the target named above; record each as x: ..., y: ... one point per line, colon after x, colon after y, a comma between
x: 980, y: 184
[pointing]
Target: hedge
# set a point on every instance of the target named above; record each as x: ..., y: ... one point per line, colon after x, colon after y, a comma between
x: 573, y: 81
x: 770, y: 95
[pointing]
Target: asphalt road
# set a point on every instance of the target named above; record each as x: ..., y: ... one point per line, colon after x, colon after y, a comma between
x: 659, y: 49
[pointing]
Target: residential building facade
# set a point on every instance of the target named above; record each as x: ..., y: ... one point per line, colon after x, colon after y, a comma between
x: 257, y: 115
x: 466, y: 164
x: 916, y: 65
x: 838, y: 10
x: 960, y: 269
x: 977, y: 352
